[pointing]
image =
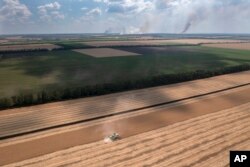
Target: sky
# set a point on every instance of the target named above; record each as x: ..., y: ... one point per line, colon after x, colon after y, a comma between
x: 124, y: 16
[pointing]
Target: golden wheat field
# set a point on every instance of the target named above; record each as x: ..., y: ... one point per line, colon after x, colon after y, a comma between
x: 15, y: 121
x: 196, y: 142
x: 159, y: 42
x: 194, y: 131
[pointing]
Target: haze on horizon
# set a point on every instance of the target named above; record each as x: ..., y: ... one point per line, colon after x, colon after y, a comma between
x: 124, y: 16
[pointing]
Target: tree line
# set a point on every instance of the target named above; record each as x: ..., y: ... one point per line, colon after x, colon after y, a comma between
x: 59, y: 94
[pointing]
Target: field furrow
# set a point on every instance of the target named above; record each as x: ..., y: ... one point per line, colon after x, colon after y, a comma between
x: 221, y: 160
x: 165, y: 150
x: 87, y: 150
x: 27, y: 119
x: 173, y: 145
x: 214, y: 147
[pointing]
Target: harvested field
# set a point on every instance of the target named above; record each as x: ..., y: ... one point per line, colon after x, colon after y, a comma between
x: 28, y: 47
x: 2, y: 41
x: 195, y: 142
x: 158, y: 42
x: 239, y: 46
x: 38, y: 117
x: 105, y: 52
x: 204, y: 41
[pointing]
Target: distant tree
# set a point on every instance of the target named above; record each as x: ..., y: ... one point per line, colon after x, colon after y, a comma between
x: 57, y: 94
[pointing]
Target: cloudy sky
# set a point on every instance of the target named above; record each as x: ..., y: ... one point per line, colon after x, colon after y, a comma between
x: 124, y: 16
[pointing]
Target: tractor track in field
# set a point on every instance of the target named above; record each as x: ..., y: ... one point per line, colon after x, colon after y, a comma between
x: 28, y: 120
x: 206, y: 137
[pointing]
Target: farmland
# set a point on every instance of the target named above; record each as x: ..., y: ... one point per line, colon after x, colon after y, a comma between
x: 105, y: 52
x: 218, y: 128
x: 158, y: 126
x: 159, y: 42
x: 218, y: 133
x: 35, y: 71
x: 239, y: 46
x: 28, y: 47
x: 124, y: 83
x: 95, y: 107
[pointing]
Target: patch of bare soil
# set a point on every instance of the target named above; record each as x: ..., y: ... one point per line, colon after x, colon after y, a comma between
x: 105, y: 52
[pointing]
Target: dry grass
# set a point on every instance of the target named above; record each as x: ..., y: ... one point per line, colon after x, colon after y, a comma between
x: 239, y: 46
x: 158, y: 42
x: 202, y: 141
x: 28, y: 47
x: 105, y: 52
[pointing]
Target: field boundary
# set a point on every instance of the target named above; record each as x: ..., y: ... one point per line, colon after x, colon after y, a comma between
x: 170, y: 116
x: 63, y: 94
x: 120, y: 113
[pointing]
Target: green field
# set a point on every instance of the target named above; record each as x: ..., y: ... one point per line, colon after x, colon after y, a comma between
x: 31, y: 72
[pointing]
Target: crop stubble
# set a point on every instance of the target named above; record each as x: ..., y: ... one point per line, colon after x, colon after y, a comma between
x: 15, y: 121
x: 28, y: 47
x: 159, y: 42
x: 193, y: 142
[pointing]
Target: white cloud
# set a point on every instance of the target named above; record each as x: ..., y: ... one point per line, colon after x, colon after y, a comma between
x: 84, y: 8
x: 13, y: 10
x: 94, y: 12
x: 133, y: 16
x: 57, y: 15
x: 50, y: 11
x: 50, y: 6
x: 127, y: 6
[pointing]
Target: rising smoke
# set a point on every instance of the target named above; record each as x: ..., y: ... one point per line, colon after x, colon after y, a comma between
x: 193, y: 18
x: 186, y: 28
x: 182, y: 16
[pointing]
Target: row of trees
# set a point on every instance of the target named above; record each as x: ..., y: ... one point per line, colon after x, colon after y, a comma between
x: 94, y: 90
x: 79, y: 46
x: 6, y: 52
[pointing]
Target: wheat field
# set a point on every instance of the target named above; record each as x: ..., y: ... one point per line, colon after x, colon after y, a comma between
x: 20, y: 120
x: 202, y: 141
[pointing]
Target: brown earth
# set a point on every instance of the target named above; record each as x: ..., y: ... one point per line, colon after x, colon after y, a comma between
x: 159, y: 42
x: 28, y: 119
x: 28, y: 47
x: 218, y: 136
x: 2, y: 41
x: 105, y: 52
x: 239, y: 46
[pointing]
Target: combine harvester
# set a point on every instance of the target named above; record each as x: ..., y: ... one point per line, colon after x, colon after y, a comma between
x: 112, y: 138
